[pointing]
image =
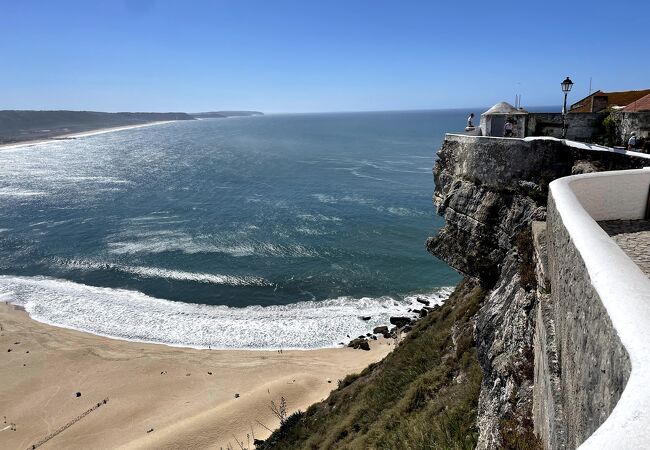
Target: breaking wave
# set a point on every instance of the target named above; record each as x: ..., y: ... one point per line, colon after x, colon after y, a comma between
x: 132, y: 315
x: 169, y: 241
x: 167, y: 274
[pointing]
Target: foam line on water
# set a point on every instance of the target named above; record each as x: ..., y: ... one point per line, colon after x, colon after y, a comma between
x: 132, y: 315
x: 167, y: 274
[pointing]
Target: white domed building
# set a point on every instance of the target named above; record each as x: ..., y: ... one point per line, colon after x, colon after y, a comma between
x: 493, y: 121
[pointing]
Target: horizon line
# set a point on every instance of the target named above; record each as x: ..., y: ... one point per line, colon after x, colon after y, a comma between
x: 462, y: 108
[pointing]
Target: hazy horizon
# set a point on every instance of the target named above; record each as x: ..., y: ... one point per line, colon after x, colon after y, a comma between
x: 478, y: 109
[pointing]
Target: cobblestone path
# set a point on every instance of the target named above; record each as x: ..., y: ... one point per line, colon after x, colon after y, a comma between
x: 633, y: 236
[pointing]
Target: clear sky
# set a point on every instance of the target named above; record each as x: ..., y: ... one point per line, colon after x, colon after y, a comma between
x: 315, y: 55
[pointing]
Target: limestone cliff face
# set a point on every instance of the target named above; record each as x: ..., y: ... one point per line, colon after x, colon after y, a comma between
x: 487, y: 190
x: 490, y: 191
x: 480, y: 225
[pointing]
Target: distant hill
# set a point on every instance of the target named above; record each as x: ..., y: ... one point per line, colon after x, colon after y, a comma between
x: 220, y: 114
x: 16, y: 126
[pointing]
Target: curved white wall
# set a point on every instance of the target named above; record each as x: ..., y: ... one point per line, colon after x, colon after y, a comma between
x: 622, y: 287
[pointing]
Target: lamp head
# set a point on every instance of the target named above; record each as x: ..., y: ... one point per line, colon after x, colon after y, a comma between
x: 567, y: 85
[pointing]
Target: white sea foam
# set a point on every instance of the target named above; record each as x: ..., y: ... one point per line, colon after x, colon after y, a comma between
x: 95, y: 179
x: 404, y: 211
x: 167, y: 274
x: 19, y: 193
x: 319, y: 218
x: 324, y: 198
x: 231, y: 244
x: 135, y: 316
x: 311, y: 231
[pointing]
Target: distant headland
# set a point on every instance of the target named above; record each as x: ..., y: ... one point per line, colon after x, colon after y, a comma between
x: 22, y: 125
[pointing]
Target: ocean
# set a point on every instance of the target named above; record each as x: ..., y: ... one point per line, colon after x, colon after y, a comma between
x: 277, y: 231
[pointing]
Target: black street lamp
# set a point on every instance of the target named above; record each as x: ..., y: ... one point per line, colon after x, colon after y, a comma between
x: 566, y: 87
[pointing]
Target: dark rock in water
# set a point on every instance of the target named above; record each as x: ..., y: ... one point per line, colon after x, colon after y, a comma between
x: 366, y: 318
x: 380, y: 330
x: 368, y: 334
x: 341, y: 343
x: 360, y: 343
x: 374, y: 338
x: 416, y: 311
x: 423, y: 301
x: 400, y: 321
x: 423, y: 312
x: 361, y: 337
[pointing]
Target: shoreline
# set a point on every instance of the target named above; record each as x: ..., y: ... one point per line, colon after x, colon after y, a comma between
x: 187, y: 396
x: 80, y: 134
x: 135, y: 317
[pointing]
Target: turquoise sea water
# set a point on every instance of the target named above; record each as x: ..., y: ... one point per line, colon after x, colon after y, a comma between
x: 256, y: 232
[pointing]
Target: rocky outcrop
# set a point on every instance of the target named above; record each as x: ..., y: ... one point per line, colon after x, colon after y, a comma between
x: 490, y: 191
x: 480, y: 225
x: 504, y: 338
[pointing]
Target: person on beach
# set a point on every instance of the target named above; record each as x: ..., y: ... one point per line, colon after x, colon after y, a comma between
x: 631, y: 143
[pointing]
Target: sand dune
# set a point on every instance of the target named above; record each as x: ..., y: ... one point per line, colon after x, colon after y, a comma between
x: 167, y: 389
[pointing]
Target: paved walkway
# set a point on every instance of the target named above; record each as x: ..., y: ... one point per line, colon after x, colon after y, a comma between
x: 633, y: 236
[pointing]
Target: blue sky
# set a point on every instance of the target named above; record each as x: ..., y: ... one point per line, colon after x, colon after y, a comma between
x: 309, y: 56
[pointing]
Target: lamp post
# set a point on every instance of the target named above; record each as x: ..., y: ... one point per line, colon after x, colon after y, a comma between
x: 566, y: 87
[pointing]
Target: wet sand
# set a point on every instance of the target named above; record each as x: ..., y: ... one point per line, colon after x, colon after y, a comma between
x: 187, y: 397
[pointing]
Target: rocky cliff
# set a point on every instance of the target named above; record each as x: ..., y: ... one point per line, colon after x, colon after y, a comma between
x: 463, y: 377
x: 490, y: 192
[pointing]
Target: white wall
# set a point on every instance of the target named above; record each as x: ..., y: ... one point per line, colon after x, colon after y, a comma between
x: 613, y: 195
x: 620, y: 284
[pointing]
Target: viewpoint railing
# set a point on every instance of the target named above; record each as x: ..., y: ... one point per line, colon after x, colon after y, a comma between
x: 602, y: 310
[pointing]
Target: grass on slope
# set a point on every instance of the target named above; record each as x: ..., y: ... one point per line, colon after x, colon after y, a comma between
x: 423, y: 395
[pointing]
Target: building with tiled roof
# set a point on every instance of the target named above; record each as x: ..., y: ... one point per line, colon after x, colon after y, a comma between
x: 599, y: 100
x: 643, y: 104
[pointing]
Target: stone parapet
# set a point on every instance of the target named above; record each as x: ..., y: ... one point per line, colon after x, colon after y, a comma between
x: 599, y: 312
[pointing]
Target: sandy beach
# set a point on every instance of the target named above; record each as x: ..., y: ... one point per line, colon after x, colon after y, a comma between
x: 156, y: 396
x: 62, y: 137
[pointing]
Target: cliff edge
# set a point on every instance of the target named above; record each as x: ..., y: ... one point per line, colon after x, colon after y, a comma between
x: 493, y: 195
x: 468, y: 374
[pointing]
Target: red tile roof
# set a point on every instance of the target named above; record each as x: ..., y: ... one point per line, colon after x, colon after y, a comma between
x: 623, y: 98
x: 643, y: 104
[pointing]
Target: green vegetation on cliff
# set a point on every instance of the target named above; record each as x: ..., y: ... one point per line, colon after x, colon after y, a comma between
x: 422, y: 395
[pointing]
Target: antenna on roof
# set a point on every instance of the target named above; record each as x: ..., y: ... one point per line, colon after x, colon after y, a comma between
x: 589, y: 85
